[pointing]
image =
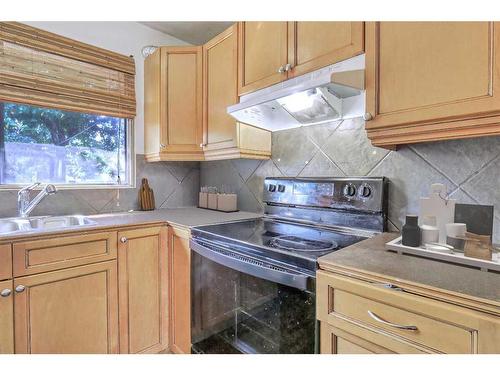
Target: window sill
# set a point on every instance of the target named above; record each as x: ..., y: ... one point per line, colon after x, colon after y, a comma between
x: 15, y: 187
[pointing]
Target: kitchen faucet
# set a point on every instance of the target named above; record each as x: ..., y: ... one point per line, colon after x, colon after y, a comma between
x: 24, y: 205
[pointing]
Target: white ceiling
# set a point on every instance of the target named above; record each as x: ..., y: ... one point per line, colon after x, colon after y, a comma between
x: 196, y: 32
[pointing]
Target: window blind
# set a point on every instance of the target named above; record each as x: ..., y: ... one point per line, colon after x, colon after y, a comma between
x: 45, y: 69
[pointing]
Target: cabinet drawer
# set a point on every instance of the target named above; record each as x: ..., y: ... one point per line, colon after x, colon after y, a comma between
x: 409, y: 318
x: 5, y: 262
x: 51, y: 254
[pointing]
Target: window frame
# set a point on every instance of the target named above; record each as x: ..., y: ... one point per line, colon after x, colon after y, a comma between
x: 131, y: 170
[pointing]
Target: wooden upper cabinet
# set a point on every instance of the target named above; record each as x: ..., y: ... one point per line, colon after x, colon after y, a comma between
x: 173, y: 104
x: 220, y: 89
x: 224, y: 138
x: 67, y: 311
x: 432, y: 80
x: 313, y: 45
x: 143, y: 290
x: 262, y: 52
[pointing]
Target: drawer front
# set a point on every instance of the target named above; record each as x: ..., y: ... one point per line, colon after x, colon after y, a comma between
x: 5, y: 262
x: 401, y: 315
x: 44, y: 255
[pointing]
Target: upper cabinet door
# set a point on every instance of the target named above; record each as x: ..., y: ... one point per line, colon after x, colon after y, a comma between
x: 313, y: 45
x: 220, y: 89
x: 263, y: 55
x: 420, y: 73
x: 181, y: 100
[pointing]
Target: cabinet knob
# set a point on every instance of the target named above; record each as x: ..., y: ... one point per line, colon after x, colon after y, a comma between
x: 20, y: 288
x: 162, y: 145
x: 281, y: 69
x: 288, y: 67
x: 123, y: 240
x: 367, y: 116
x: 5, y: 292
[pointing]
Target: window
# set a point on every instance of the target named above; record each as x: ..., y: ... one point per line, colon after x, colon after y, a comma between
x: 65, y: 110
x: 62, y: 147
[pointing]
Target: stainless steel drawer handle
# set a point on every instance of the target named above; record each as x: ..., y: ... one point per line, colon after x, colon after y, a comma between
x: 5, y: 292
x: 398, y: 326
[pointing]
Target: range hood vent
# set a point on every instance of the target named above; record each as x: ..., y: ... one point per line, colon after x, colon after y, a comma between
x: 328, y: 94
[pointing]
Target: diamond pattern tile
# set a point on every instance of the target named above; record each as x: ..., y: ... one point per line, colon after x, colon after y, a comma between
x: 470, y: 168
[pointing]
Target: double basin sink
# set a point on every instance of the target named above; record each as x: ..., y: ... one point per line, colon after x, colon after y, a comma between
x: 40, y: 223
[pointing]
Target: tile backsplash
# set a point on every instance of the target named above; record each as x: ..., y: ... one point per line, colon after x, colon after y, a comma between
x: 469, y: 168
x: 175, y: 184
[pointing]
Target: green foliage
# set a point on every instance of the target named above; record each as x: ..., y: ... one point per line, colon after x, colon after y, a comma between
x: 80, y: 147
x: 29, y: 124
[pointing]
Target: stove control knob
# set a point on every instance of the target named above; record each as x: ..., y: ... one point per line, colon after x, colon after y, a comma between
x: 281, y: 188
x: 365, y: 191
x: 272, y: 188
x: 349, y: 190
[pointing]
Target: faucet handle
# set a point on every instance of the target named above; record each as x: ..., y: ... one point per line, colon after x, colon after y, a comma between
x: 30, y: 187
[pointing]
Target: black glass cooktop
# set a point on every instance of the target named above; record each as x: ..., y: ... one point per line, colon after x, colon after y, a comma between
x: 277, y: 239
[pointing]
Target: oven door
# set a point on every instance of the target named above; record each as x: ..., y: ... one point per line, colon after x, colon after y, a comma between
x: 242, y: 304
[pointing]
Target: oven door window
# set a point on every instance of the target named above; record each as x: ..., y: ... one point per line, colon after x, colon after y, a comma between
x: 233, y: 312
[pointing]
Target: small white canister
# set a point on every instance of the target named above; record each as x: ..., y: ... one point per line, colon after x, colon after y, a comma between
x: 429, y: 234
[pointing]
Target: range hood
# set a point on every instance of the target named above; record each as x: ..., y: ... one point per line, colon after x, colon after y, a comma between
x: 331, y: 93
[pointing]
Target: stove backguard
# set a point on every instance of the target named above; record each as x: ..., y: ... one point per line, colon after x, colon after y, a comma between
x: 359, y: 203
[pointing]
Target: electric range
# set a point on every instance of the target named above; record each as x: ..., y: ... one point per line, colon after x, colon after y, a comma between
x: 253, y: 281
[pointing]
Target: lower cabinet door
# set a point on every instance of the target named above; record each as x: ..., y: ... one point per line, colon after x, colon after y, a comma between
x: 180, y: 288
x: 337, y: 341
x: 6, y: 318
x: 68, y: 311
x: 143, y: 290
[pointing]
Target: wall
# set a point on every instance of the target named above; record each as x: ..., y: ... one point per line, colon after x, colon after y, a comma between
x: 469, y: 168
x: 174, y: 184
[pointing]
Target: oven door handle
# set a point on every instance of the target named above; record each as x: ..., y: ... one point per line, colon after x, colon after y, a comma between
x: 254, y: 267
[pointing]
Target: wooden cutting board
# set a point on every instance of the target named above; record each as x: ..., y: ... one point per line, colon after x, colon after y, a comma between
x: 146, y: 196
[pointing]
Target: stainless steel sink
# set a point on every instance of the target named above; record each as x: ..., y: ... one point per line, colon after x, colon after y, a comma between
x: 41, y: 223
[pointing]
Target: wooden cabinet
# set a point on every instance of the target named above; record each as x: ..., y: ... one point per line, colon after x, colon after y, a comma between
x: 5, y: 261
x: 74, y: 310
x: 180, y: 289
x: 313, y: 45
x: 263, y: 54
x: 271, y: 52
x: 53, y: 253
x: 6, y: 317
x: 173, y: 104
x: 337, y: 341
x: 224, y: 138
x: 430, y: 81
x: 402, y: 322
x: 143, y: 290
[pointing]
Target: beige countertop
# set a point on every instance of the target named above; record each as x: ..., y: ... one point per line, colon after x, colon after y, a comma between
x: 186, y: 217
x: 370, y: 257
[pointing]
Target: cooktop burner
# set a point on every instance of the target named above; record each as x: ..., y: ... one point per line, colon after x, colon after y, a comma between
x: 285, y: 241
x: 294, y: 243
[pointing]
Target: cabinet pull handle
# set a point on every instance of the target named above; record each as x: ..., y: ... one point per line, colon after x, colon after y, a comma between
x: 281, y: 69
x: 123, y: 240
x: 5, y: 292
x: 288, y: 67
x: 398, y: 326
x: 20, y: 288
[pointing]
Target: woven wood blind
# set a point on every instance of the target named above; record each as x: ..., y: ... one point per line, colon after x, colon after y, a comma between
x: 44, y: 69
